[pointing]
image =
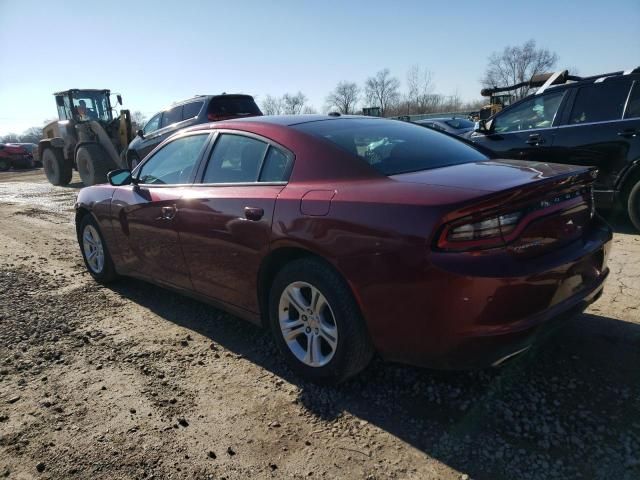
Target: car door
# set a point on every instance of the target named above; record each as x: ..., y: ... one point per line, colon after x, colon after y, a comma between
x: 524, y: 131
x: 595, y: 133
x: 225, y: 223
x: 147, y: 212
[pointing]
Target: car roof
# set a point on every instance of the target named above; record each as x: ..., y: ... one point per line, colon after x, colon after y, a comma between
x: 283, y: 120
x: 206, y: 98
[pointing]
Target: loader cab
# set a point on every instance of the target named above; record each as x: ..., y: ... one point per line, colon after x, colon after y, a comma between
x: 84, y: 105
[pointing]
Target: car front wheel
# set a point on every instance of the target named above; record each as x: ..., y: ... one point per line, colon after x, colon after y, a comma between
x: 317, y: 324
x: 94, y: 251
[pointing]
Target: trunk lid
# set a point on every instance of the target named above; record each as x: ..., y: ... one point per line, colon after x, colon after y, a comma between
x: 555, y: 202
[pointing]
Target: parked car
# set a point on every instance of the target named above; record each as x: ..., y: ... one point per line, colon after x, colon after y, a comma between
x: 595, y: 122
x: 32, y: 148
x: 434, y: 254
x: 196, y: 110
x: 453, y: 125
x: 16, y: 156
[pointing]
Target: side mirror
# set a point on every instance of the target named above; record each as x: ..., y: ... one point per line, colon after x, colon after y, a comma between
x: 119, y: 97
x: 140, y: 133
x: 120, y: 177
x: 482, y: 126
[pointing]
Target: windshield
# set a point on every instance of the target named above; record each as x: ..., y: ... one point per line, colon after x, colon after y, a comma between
x: 459, y: 123
x: 393, y: 147
x: 91, y: 105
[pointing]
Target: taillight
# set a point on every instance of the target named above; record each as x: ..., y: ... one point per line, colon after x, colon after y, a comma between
x: 485, y: 233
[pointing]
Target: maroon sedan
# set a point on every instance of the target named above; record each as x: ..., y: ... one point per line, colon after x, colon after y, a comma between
x: 351, y: 235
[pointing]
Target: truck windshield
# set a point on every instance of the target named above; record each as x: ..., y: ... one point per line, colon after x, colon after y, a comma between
x: 91, y: 105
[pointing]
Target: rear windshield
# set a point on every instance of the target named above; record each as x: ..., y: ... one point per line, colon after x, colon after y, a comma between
x: 394, y: 147
x: 233, y: 106
x: 459, y: 123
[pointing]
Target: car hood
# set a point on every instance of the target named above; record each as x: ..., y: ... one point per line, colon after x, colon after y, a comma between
x: 490, y: 175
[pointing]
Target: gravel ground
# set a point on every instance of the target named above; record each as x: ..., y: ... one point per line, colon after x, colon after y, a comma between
x: 132, y: 381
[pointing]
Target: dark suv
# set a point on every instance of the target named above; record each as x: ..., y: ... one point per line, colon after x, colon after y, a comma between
x: 593, y: 121
x: 199, y: 109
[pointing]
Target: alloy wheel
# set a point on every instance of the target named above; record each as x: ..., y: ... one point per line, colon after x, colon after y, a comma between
x: 307, y: 324
x: 93, y: 250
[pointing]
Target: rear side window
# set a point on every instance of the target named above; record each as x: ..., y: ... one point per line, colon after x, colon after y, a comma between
x: 227, y: 106
x: 277, y: 165
x: 633, y: 106
x: 190, y: 110
x: 599, y: 102
x: 235, y: 159
x: 172, y: 116
x: 393, y: 147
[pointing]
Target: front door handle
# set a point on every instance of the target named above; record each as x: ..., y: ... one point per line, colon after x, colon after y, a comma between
x: 253, y: 213
x: 168, y: 213
x: 535, y: 139
x: 628, y: 133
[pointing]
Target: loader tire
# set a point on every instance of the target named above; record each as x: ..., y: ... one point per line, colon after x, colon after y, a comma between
x: 57, y: 168
x: 93, y: 164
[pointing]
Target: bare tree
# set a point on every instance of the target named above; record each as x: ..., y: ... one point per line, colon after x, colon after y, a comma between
x: 419, y: 90
x: 293, y: 104
x: 382, y: 90
x: 308, y: 109
x: 518, y: 64
x: 138, y: 120
x: 10, y: 138
x: 31, y: 135
x: 344, y: 97
x: 272, y: 105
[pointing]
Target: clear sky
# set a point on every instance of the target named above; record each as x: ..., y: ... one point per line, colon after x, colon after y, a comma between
x: 157, y: 52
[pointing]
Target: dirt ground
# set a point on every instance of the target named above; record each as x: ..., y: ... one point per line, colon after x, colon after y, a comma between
x: 132, y: 381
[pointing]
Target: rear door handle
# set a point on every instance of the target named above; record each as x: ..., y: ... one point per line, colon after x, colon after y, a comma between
x: 535, y: 139
x: 628, y: 133
x: 253, y: 213
x: 168, y: 213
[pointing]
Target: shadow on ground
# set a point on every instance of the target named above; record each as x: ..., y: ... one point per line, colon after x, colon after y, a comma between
x: 568, y: 409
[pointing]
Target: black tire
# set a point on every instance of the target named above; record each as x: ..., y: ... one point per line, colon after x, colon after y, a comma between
x: 57, y: 169
x: 107, y: 273
x: 5, y: 164
x: 93, y: 164
x: 354, y: 348
x: 633, y: 205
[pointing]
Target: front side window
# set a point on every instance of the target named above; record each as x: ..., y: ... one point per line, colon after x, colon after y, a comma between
x: 235, y: 159
x: 600, y: 102
x: 153, y: 124
x: 173, y: 163
x: 536, y: 112
x: 393, y: 147
x: 171, y: 116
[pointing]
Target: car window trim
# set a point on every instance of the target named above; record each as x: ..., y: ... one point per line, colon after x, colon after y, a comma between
x: 634, y: 84
x: 596, y: 123
x: 138, y: 169
x: 270, y: 143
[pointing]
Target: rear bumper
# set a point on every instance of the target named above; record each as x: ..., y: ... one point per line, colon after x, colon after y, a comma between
x: 461, y: 311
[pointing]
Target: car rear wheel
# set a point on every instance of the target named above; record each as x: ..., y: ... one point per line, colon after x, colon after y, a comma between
x: 633, y: 205
x: 93, y: 164
x: 317, y: 324
x: 56, y: 167
x: 94, y: 251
